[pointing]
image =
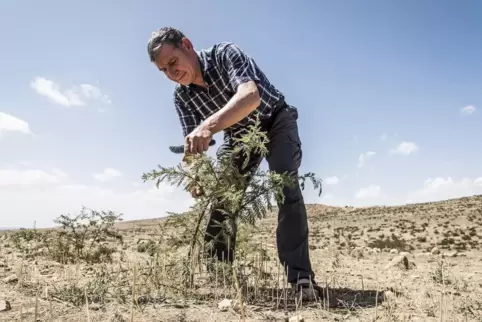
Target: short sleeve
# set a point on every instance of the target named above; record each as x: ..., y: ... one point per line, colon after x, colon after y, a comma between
x: 240, y: 67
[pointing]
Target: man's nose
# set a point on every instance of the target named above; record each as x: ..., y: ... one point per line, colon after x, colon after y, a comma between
x: 173, y: 72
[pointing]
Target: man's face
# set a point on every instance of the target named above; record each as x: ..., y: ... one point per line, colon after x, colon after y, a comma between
x: 177, y: 62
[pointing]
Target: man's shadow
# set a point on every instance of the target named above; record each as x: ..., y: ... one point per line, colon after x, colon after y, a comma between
x: 342, y: 299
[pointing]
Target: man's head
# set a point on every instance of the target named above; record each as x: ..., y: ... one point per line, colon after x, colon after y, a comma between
x: 174, y: 55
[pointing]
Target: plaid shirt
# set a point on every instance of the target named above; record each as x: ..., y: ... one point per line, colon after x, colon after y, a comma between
x: 224, y: 67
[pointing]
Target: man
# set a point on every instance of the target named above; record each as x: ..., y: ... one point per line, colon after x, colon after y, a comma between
x: 223, y: 89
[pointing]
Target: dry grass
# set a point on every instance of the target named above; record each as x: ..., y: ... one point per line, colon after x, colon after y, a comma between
x: 411, y: 263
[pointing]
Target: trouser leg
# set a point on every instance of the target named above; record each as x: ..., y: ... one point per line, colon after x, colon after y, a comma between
x: 223, y: 247
x: 285, y: 155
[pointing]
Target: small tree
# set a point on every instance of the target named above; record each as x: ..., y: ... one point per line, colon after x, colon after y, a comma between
x: 245, y: 196
x: 83, y: 237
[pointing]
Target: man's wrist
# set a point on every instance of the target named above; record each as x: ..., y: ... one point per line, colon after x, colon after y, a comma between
x: 210, y: 125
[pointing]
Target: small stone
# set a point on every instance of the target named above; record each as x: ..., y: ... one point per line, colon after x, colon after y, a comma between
x: 450, y: 254
x: 357, y: 253
x: 47, y: 271
x: 394, y: 251
x: 5, y: 306
x: 389, y: 295
x: 95, y: 306
x: 225, y: 304
x: 296, y: 318
x: 435, y: 251
x: 401, y: 261
x: 10, y: 279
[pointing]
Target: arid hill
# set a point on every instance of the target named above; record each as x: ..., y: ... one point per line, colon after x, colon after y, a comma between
x: 420, y: 262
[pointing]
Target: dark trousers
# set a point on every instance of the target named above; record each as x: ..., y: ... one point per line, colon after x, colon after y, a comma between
x: 284, y: 154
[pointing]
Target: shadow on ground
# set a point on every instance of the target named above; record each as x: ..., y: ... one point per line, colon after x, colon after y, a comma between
x: 334, y: 299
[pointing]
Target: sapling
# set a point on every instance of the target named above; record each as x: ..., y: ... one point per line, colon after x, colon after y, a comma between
x: 245, y: 196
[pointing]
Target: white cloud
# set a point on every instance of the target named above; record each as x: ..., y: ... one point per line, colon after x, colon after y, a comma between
x: 405, y: 148
x: 10, y: 123
x: 331, y: 180
x: 372, y: 191
x: 327, y: 197
x: 432, y: 189
x: 385, y: 136
x: 77, y: 95
x: 14, y: 177
x: 59, y: 173
x: 467, y: 110
x: 107, y: 175
x: 441, y: 188
x: 478, y: 182
x: 28, y: 195
x: 26, y: 163
x: 363, y: 158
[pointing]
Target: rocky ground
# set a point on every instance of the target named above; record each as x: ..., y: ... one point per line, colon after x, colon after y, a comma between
x: 420, y: 262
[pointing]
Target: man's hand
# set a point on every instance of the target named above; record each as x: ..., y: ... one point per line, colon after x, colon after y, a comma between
x: 198, y: 140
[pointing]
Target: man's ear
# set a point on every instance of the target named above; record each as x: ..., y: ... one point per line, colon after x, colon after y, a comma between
x: 186, y: 44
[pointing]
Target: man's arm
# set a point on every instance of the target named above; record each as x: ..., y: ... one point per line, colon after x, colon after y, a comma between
x: 243, y: 76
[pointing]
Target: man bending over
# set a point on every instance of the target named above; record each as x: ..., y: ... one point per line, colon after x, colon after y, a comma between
x: 223, y: 89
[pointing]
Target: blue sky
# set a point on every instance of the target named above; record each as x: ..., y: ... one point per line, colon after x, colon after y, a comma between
x: 83, y: 113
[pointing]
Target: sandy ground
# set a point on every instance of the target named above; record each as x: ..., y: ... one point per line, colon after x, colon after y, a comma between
x: 419, y: 262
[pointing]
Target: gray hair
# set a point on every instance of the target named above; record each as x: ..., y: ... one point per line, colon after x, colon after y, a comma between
x: 165, y: 35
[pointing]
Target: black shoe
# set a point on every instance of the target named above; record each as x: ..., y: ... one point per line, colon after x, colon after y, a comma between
x: 307, y: 291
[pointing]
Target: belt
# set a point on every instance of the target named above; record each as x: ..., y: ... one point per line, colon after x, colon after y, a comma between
x: 277, y: 107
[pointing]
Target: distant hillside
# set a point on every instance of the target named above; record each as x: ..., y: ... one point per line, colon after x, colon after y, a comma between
x: 8, y: 228
x: 417, y: 262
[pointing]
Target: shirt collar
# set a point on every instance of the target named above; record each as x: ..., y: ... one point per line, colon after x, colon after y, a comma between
x: 205, y: 62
